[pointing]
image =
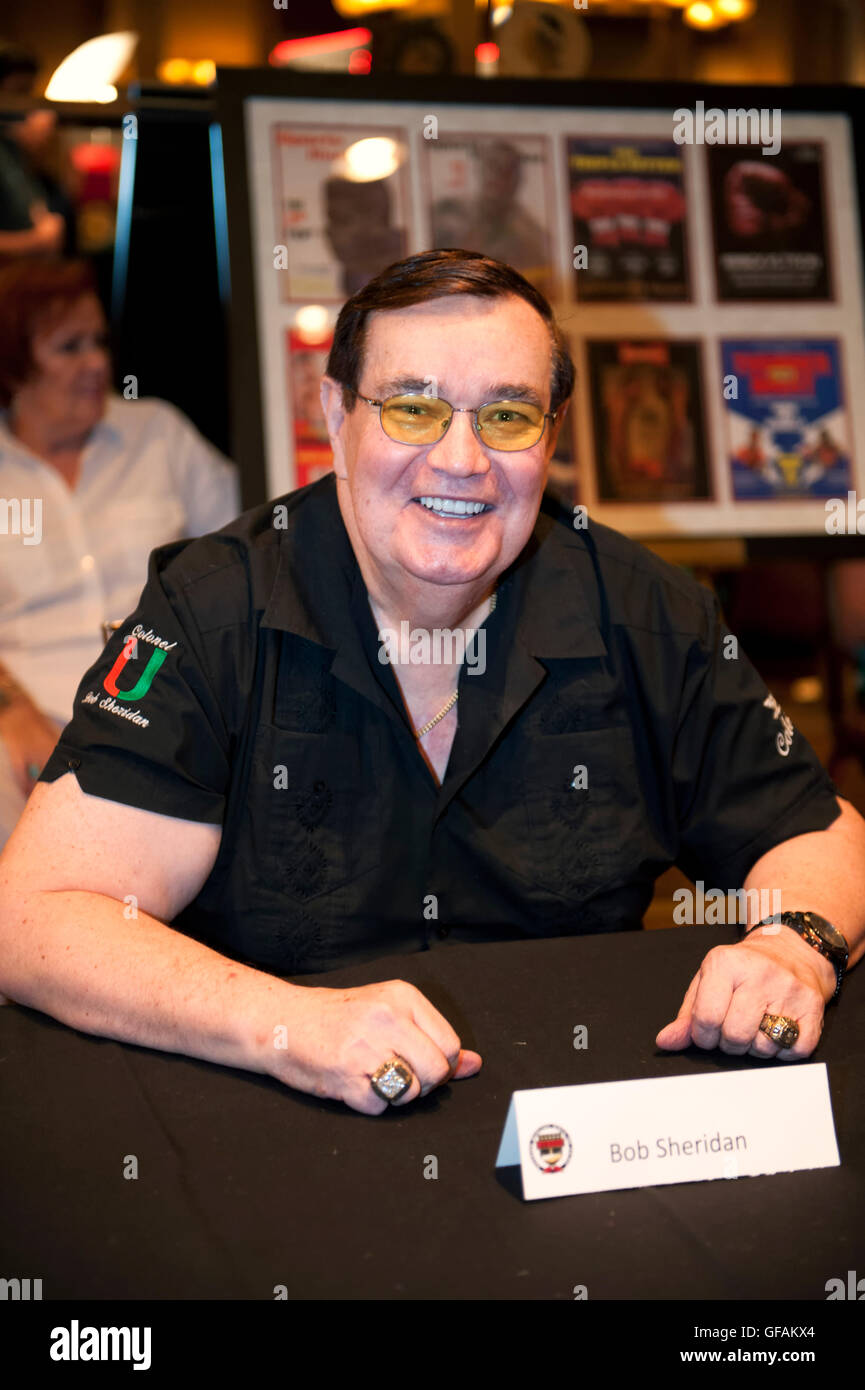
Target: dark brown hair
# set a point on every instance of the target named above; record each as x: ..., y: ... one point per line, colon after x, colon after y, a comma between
x: 34, y: 295
x: 434, y: 275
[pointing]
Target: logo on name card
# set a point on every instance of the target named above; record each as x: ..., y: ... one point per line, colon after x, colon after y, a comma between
x: 551, y: 1148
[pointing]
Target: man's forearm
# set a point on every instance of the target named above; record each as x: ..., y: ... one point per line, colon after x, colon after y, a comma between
x: 76, y: 956
x: 820, y: 872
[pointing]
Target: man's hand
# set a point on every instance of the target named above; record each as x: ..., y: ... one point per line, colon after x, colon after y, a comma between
x: 337, y: 1038
x: 29, y: 736
x: 773, y: 971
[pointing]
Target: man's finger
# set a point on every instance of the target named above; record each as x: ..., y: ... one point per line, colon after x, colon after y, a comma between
x: 742, y: 1022
x: 803, y: 1009
x: 677, y: 1034
x: 427, y: 1017
x: 468, y: 1064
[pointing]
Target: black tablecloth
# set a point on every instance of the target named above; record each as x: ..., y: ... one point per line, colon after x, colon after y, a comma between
x: 245, y: 1185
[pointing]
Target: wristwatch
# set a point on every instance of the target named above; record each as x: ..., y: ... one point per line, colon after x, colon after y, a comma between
x: 818, y: 933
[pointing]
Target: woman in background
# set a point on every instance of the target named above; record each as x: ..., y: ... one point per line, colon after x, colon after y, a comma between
x: 90, y: 483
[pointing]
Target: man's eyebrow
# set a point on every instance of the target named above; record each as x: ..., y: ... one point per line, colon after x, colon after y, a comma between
x: 403, y: 386
x: 494, y: 391
x: 513, y: 391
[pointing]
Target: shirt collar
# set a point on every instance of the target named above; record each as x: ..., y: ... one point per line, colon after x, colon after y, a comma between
x: 550, y: 586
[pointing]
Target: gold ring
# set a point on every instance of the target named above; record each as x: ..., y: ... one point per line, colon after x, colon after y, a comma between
x: 780, y: 1029
x: 392, y: 1079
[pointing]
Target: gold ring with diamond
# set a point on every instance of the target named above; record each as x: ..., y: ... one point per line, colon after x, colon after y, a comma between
x: 780, y: 1029
x: 392, y: 1079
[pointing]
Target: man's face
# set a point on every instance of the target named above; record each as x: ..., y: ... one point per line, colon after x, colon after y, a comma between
x: 471, y: 351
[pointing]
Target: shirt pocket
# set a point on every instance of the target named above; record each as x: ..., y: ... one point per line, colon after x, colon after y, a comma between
x: 316, y: 825
x: 582, y: 810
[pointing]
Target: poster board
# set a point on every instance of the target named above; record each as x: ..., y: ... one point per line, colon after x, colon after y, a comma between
x: 712, y: 296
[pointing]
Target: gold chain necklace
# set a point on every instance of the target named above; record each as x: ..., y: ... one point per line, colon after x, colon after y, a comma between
x: 452, y: 699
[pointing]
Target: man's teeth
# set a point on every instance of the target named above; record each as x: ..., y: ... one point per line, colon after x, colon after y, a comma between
x: 451, y: 508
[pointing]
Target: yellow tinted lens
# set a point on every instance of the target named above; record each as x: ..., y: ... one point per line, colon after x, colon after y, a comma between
x: 510, y: 424
x: 415, y: 419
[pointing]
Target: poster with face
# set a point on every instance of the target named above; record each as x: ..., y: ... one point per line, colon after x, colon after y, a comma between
x: 306, y: 359
x: 787, y: 425
x: 769, y: 221
x: 648, y: 421
x: 627, y: 203
x: 341, y: 203
x: 493, y: 194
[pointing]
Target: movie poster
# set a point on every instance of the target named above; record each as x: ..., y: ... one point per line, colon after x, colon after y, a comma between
x: 648, y: 421
x: 769, y: 220
x: 341, y: 203
x: 306, y: 359
x: 494, y: 194
x: 788, y: 428
x: 627, y: 200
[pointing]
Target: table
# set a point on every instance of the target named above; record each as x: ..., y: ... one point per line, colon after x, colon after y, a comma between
x: 244, y: 1185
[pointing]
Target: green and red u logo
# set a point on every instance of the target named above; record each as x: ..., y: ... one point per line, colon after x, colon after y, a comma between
x: 145, y: 680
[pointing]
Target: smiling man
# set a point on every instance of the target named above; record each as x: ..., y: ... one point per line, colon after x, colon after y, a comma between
x: 260, y: 794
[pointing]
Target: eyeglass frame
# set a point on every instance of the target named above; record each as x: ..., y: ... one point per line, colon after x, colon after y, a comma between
x: 455, y: 410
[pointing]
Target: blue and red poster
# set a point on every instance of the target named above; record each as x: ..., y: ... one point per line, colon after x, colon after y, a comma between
x: 788, y: 427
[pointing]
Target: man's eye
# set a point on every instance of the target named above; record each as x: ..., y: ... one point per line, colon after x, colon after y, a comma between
x: 412, y: 409
x: 507, y: 417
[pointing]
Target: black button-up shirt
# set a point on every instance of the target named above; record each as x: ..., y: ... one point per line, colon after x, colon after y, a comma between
x: 611, y: 733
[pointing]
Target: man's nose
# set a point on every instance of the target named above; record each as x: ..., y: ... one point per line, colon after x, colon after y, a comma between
x: 459, y: 451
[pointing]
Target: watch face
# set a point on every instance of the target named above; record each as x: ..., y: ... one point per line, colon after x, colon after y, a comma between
x: 827, y: 933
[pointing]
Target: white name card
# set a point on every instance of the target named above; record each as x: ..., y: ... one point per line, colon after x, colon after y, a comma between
x: 617, y: 1134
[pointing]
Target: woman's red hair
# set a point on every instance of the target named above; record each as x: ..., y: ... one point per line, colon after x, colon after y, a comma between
x: 34, y: 295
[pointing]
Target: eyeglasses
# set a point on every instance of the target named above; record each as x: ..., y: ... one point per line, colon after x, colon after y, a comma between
x: 507, y: 425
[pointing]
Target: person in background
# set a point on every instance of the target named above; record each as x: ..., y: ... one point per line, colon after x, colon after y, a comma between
x: 36, y: 215
x: 90, y: 483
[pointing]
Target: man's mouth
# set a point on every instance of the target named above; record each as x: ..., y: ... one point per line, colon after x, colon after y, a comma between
x: 452, y: 506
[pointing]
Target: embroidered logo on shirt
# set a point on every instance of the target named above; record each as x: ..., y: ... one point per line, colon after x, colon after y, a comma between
x: 140, y: 686
x: 784, y: 738
x: 129, y: 652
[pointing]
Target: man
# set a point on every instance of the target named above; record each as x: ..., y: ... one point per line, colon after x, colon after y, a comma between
x: 36, y: 216
x: 248, y: 769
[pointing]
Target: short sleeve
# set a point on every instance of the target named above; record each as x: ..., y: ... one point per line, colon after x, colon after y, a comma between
x: 147, y: 727
x: 744, y: 778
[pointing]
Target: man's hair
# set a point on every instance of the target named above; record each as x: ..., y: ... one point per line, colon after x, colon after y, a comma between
x: 34, y: 295
x: 435, y: 275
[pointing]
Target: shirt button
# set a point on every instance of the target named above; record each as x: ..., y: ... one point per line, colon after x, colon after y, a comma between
x: 443, y: 931
x: 72, y: 764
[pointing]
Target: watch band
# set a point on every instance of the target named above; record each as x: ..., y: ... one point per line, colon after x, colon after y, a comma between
x: 807, y: 925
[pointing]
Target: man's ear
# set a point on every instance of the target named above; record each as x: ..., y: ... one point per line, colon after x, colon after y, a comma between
x: 557, y: 427
x: 334, y: 418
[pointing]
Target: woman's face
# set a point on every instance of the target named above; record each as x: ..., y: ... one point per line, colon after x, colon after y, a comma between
x: 72, y: 369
